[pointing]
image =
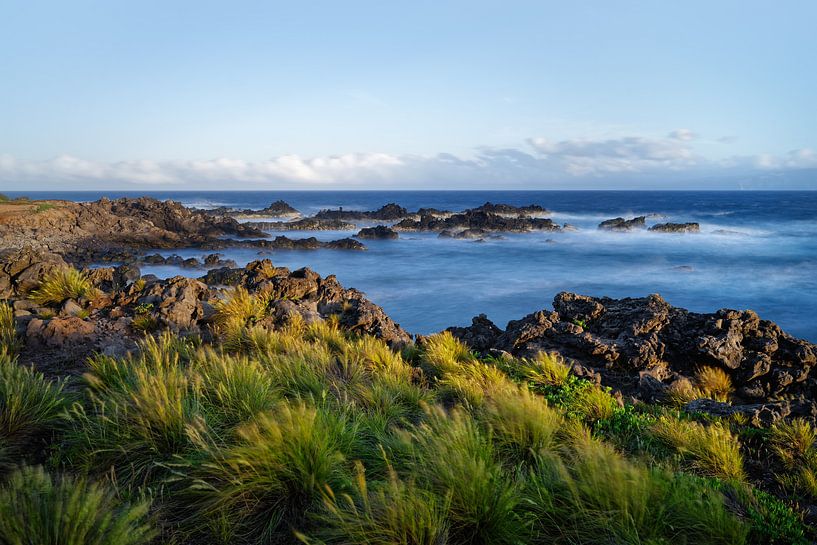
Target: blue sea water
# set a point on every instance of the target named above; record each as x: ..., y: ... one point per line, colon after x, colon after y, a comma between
x: 756, y: 250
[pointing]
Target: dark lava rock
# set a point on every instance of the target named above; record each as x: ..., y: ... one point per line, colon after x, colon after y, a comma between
x: 485, y: 221
x: 277, y: 209
x: 286, y: 243
x: 389, y: 212
x: 620, y: 338
x: 379, y: 232
x: 304, y: 224
x: 621, y: 224
x: 509, y: 210
x: 676, y: 228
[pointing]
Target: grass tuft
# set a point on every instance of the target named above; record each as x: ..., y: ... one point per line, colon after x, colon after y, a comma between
x: 36, y: 508
x: 9, y: 340
x: 61, y: 284
x: 711, y: 450
x: 30, y: 405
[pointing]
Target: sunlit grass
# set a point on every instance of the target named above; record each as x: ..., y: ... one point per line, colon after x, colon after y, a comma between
x: 711, y: 450
x: 61, y: 284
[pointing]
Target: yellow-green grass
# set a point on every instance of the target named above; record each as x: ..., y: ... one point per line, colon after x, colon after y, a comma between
x: 60, y: 284
x: 312, y: 433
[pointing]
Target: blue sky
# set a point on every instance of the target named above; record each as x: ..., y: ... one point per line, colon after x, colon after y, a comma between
x: 424, y: 94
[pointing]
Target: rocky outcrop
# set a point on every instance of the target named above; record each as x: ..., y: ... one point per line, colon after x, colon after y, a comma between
x: 486, y: 221
x: 209, y: 261
x: 278, y: 209
x: 285, y: 243
x: 389, y: 212
x: 510, y: 210
x: 126, y: 306
x: 621, y: 224
x: 623, y: 340
x: 305, y: 224
x: 21, y: 270
x: 379, y: 232
x: 83, y: 231
x: 676, y: 228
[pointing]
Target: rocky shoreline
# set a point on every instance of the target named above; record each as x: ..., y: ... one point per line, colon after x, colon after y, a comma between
x: 644, y: 348
x: 639, y: 354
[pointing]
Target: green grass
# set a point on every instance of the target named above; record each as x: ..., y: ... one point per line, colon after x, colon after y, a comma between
x: 30, y: 407
x: 37, y: 508
x: 309, y: 433
x: 9, y: 340
x: 43, y: 207
x: 709, y: 449
x: 61, y: 284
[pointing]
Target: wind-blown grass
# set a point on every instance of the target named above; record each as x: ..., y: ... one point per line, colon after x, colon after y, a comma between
x: 309, y: 432
x: 711, y: 450
x: 60, y: 284
x: 9, y: 340
x: 36, y: 508
x: 30, y: 405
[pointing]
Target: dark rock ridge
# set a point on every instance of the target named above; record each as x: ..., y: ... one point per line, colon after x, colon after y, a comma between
x: 510, y: 210
x: 284, y: 243
x: 621, y: 224
x: 378, y: 232
x: 676, y: 228
x: 304, y: 224
x: 486, y: 221
x: 389, y: 212
x: 278, y: 209
x: 642, y: 345
x: 208, y: 261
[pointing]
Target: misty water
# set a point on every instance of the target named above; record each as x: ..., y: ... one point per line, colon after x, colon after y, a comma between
x: 756, y: 250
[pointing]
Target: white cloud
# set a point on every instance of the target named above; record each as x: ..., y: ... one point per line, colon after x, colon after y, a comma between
x: 684, y: 135
x: 629, y: 161
x: 626, y: 154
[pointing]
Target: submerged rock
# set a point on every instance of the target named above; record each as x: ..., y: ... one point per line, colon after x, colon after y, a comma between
x: 379, y: 232
x: 676, y: 228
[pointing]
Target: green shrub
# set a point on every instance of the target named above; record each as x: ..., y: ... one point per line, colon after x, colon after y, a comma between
x: 61, y: 284
x: 37, y: 509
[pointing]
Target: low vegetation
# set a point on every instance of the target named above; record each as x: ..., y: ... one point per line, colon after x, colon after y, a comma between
x: 61, y: 284
x: 312, y: 434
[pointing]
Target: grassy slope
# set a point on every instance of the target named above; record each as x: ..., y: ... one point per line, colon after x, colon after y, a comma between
x: 311, y: 434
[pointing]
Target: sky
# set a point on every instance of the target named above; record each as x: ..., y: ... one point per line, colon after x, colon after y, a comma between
x: 715, y: 94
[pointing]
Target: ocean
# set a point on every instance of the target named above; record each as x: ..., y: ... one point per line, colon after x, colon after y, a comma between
x: 756, y: 250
